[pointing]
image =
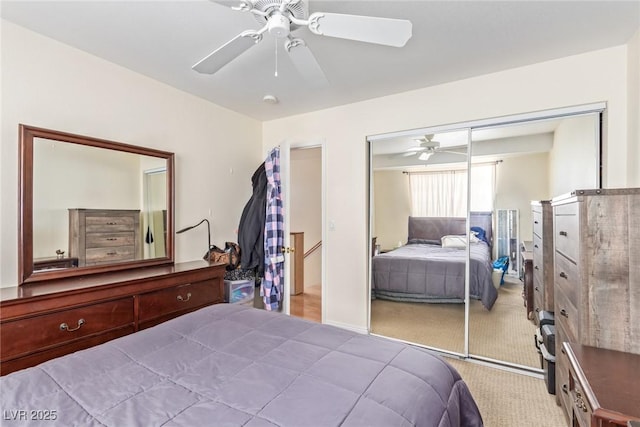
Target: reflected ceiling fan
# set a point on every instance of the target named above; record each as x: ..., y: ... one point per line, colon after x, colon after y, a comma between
x: 282, y: 17
x: 428, y: 147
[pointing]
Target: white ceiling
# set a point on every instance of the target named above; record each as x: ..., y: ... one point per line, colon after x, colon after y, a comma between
x: 451, y: 40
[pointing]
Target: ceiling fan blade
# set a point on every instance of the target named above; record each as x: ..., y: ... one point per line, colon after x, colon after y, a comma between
x: 408, y: 153
x: 458, y: 153
x: 228, y: 51
x: 306, y: 63
x: 370, y: 29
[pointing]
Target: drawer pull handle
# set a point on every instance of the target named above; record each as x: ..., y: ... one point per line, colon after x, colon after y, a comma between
x: 65, y: 327
x: 536, y: 288
x: 536, y: 267
x: 180, y: 298
x: 564, y: 313
x: 112, y: 239
x: 563, y: 233
x: 565, y: 389
x: 563, y: 275
x: 580, y: 404
x: 112, y: 223
x: 112, y: 253
x: 535, y: 246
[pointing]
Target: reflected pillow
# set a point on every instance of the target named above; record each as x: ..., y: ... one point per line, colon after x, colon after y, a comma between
x: 480, y: 234
x: 454, y: 241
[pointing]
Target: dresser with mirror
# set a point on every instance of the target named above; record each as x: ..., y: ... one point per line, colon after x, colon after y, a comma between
x: 96, y: 248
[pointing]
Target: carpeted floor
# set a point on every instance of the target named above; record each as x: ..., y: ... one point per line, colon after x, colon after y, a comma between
x: 508, y: 399
x: 503, y: 333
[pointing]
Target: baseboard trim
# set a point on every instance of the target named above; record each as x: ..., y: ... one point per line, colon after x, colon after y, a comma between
x: 352, y: 328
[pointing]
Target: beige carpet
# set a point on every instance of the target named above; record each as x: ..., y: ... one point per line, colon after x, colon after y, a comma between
x: 504, y: 333
x: 507, y: 399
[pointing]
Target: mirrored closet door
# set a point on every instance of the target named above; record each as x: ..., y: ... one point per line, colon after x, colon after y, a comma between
x: 532, y: 160
x: 419, y: 196
x: 507, y: 163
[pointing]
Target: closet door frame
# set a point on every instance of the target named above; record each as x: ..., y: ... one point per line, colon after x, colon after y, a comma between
x: 470, y: 126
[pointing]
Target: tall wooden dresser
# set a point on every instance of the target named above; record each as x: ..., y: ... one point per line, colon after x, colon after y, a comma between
x: 104, y: 236
x: 542, y: 214
x: 596, y: 276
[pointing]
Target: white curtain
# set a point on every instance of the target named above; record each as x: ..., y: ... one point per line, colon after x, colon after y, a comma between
x: 444, y: 193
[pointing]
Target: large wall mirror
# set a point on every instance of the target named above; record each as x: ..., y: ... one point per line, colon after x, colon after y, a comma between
x: 89, y: 205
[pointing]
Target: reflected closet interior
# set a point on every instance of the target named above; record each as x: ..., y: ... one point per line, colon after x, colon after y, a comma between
x: 424, y: 173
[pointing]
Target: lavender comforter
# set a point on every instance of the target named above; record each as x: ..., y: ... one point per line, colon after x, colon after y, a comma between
x: 229, y: 365
x: 431, y: 273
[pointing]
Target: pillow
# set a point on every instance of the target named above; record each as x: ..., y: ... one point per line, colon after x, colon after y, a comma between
x: 480, y: 234
x: 423, y: 242
x: 453, y: 241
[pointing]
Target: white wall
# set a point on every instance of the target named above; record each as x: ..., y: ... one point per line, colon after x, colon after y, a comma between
x: 581, y: 79
x: 48, y: 84
x: 573, y: 158
x: 68, y: 176
x: 392, y: 204
x: 519, y: 180
x: 306, y: 207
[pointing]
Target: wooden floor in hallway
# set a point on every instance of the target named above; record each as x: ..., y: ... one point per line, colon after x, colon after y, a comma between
x: 308, y: 305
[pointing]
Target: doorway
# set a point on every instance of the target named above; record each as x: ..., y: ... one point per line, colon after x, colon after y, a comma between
x: 305, y: 225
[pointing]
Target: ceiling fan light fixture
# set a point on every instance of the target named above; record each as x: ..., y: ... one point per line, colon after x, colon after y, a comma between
x: 279, y: 25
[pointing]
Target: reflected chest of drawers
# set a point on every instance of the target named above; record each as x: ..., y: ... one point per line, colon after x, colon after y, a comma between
x: 542, y: 215
x: 596, y: 275
x: 104, y: 236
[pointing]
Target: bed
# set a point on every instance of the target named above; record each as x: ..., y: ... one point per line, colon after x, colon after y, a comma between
x: 425, y: 271
x: 233, y: 365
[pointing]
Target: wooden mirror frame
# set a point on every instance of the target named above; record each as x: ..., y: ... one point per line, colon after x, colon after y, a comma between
x: 26, y: 272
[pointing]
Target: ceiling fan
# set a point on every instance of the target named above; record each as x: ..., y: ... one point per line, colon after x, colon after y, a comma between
x: 428, y: 147
x: 282, y: 17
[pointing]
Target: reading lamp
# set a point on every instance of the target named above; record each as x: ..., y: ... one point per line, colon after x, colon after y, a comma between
x: 207, y: 256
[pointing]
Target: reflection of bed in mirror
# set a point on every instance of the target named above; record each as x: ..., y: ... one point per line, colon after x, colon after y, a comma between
x: 424, y: 270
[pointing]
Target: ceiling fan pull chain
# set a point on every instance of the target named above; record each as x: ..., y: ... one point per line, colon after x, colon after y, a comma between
x: 276, y: 73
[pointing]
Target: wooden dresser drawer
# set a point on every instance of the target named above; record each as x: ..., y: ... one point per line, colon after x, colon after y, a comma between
x: 567, y: 278
x: 538, y: 261
x: 178, y: 299
x: 603, y: 386
x: 563, y: 385
x: 579, y: 404
x: 103, y: 240
x: 109, y: 224
x: 8, y: 366
x: 567, y: 239
x: 537, y: 223
x: 45, y: 331
x: 108, y: 255
x: 566, y: 316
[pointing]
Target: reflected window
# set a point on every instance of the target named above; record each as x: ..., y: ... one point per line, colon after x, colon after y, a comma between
x: 443, y: 193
